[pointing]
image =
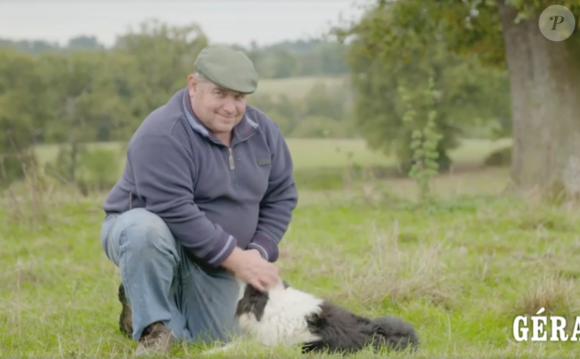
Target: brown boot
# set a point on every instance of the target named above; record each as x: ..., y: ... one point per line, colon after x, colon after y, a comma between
x: 156, y: 339
x: 126, y: 316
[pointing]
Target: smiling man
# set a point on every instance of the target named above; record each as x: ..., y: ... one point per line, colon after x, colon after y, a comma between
x: 207, y: 194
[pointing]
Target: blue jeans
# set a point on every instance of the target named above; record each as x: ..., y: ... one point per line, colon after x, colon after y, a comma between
x: 163, y: 284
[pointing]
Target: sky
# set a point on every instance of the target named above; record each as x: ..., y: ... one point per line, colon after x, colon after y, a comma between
x: 224, y: 21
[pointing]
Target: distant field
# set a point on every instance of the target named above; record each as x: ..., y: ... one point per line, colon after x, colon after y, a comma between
x: 331, y: 153
x: 49, y: 153
x: 310, y: 153
x: 296, y: 86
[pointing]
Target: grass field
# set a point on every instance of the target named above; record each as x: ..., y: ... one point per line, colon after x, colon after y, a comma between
x: 320, y: 153
x: 319, y: 163
x: 460, y: 269
x: 296, y: 87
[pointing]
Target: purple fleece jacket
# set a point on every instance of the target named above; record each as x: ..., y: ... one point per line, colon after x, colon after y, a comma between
x: 212, y: 197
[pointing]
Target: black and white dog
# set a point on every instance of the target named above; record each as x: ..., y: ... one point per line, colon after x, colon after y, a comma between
x: 289, y: 317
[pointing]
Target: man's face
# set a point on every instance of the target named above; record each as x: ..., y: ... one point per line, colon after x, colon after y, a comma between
x: 217, y: 108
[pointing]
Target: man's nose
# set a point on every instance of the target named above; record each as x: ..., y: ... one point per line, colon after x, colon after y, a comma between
x: 229, y: 105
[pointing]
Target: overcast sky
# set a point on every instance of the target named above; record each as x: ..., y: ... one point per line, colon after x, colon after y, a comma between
x: 228, y: 21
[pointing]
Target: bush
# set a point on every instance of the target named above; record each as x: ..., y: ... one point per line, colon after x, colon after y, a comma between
x: 100, y: 169
x: 499, y: 158
x: 89, y: 170
x: 13, y: 167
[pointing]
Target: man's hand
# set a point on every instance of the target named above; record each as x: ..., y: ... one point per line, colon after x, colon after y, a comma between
x: 254, y: 252
x: 250, y: 267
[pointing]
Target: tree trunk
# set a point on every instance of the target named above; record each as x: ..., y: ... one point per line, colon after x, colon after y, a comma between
x: 545, y: 93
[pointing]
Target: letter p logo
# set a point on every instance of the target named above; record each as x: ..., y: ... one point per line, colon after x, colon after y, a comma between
x: 556, y: 20
x: 557, y: 23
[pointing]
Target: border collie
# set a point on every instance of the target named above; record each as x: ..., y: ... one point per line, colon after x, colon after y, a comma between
x: 289, y: 317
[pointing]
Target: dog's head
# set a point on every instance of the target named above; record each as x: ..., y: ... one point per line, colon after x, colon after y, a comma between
x: 251, y: 300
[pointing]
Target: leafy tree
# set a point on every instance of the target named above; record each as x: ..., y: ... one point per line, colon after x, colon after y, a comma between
x: 162, y: 57
x: 322, y: 100
x: 464, y: 90
x: 23, y: 107
x: 74, y: 100
x: 544, y: 75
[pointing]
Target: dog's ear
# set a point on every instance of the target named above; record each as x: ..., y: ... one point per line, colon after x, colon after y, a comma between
x: 253, y: 301
x: 285, y: 284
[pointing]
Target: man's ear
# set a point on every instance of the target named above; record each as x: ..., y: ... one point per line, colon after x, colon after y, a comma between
x: 192, y: 85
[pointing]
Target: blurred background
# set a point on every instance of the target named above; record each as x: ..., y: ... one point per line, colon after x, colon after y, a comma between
x: 78, y: 78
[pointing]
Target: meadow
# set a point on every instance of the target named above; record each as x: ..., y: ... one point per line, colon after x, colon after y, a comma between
x: 459, y: 268
x: 320, y: 162
x: 296, y: 87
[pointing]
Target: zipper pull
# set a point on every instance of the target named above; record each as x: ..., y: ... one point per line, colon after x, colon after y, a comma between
x: 231, y: 158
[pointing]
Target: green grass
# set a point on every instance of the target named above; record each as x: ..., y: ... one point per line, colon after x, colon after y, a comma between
x: 460, y: 269
x: 296, y: 87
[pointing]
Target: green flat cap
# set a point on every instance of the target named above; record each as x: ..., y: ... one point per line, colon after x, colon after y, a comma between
x: 227, y: 68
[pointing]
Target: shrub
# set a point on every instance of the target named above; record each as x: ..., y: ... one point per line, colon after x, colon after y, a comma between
x: 500, y: 158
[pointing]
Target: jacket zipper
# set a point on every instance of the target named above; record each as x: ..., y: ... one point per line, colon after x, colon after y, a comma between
x: 232, y: 167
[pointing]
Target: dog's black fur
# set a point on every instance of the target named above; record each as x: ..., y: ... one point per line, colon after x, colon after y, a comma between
x: 343, y: 331
x: 254, y: 302
x: 340, y: 330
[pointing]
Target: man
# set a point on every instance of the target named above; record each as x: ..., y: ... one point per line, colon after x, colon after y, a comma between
x: 206, y: 196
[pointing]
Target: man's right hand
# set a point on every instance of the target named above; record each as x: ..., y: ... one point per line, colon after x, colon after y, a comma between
x: 252, y: 269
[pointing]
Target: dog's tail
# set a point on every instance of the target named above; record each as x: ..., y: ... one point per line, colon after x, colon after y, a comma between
x: 396, y: 334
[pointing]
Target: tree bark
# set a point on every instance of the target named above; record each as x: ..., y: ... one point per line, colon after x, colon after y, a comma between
x: 545, y: 94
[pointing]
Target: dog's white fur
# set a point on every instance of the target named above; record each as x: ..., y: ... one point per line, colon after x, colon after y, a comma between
x: 284, y: 321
